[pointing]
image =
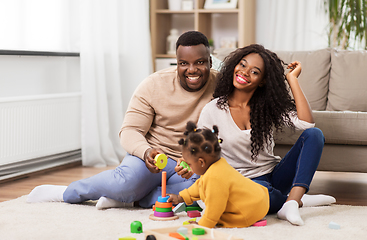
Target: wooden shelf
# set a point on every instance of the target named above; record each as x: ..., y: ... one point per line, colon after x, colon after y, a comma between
x: 162, y: 20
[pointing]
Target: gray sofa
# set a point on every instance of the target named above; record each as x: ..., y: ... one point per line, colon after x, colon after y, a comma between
x: 335, y: 84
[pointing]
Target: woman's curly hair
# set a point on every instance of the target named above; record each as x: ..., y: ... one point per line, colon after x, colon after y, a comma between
x: 269, y: 104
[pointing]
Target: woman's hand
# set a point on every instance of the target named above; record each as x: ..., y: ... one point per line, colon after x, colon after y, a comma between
x: 295, y: 70
x: 149, y: 156
x: 175, y: 199
x: 183, y: 172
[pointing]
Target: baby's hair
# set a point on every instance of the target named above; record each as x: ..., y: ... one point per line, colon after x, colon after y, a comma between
x: 201, y: 140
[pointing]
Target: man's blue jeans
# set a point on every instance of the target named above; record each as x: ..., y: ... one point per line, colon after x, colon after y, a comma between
x: 297, y: 168
x: 131, y: 181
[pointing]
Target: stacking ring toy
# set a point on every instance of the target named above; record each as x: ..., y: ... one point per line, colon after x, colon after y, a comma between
x: 185, y: 165
x: 160, y: 160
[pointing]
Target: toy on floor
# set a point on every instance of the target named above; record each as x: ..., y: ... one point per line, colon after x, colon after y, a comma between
x: 260, y: 223
x: 160, y: 160
x: 189, y: 221
x: 136, y: 227
x: 162, y: 208
x: 194, y: 231
x: 193, y: 213
x: 334, y: 225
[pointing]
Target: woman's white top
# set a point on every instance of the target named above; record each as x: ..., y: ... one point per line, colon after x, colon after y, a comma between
x: 236, y: 146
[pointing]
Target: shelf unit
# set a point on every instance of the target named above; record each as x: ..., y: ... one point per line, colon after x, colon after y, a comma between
x: 239, y: 21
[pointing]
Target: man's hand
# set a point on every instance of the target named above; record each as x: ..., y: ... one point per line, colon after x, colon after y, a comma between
x: 149, y: 159
x: 175, y: 199
x: 183, y: 172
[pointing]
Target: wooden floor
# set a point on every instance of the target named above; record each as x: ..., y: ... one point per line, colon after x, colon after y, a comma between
x: 347, y: 188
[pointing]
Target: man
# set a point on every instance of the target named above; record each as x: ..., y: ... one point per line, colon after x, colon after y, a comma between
x: 154, y: 122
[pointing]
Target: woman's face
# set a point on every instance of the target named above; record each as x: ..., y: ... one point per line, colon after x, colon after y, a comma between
x: 249, y: 73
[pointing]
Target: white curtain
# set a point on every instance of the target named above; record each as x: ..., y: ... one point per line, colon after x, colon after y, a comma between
x: 291, y: 25
x: 37, y: 25
x: 115, y: 56
x: 113, y: 39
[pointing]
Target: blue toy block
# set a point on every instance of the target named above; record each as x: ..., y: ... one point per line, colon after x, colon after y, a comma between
x: 334, y: 225
x: 183, y: 230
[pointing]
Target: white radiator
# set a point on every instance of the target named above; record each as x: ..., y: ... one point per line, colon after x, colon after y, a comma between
x: 37, y: 126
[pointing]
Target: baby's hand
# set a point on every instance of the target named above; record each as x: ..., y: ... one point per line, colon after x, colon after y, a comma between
x: 175, y: 199
x: 183, y: 172
x: 193, y: 222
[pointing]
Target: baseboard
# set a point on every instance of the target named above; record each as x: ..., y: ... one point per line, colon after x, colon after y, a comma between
x: 29, y: 167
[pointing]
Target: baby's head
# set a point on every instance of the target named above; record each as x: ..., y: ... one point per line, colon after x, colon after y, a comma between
x: 200, y: 148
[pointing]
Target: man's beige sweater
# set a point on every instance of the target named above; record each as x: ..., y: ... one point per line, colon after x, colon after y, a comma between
x: 158, y: 112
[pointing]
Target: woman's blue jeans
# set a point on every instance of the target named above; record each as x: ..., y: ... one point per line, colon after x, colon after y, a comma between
x: 297, y: 168
x: 131, y: 181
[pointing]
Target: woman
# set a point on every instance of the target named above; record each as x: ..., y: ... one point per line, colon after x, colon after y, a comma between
x: 251, y: 101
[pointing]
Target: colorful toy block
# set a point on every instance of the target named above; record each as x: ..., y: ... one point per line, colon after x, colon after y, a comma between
x: 176, y: 235
x: 136, y: 227
x: 334, y: 225
x: 260, y: 223
x: 194, y: 213
x: 193, y: 208
x: 188, y: 221
x: 182, y: 230
x: 179, y: 208
x: 198, y: 231
x: 162, y: 210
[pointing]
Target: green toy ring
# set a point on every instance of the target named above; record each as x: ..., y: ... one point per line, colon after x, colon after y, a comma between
x: 185, y: 165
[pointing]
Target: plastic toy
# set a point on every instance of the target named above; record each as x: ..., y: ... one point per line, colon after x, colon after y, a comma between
x: 194, y: 213
x: 163, y: 209
x: 184, y: 165
x: 179, y: 208
x: 160, y: 160
x: 209, y: 233
x: 136, y: 227
x: 260, y: 223
x: 150, y: 237
x: 334, y: 225
x: 127, y: 238
x: 188, y: 221
x: 178, y: 236
x: 193, y: 208
x: 182, y: 230
x: 198, y: 231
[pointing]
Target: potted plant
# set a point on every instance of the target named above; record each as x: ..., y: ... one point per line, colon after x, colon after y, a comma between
x: 347, y: 23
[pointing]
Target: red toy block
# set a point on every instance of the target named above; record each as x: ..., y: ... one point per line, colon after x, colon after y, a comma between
x: 260, y: 223
x: 194, y: 213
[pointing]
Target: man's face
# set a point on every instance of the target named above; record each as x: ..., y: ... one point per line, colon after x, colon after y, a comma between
x: 193, y: 66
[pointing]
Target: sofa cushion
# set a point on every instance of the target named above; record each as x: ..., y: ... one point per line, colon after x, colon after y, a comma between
x: 314, y: 78
x: 339, y: 127
x: 348, y: 81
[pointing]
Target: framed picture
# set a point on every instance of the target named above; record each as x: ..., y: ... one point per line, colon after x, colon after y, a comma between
x: 220, y: 4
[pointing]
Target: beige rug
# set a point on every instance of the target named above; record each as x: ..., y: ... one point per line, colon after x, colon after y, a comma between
x: 53, y: 221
